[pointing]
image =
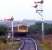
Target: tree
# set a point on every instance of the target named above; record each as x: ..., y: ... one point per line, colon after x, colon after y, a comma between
x: 35, y: 28
x: 48, y: 28
x: 3, y: 30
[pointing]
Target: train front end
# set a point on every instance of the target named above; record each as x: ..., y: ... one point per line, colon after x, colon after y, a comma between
x: 21, y: 30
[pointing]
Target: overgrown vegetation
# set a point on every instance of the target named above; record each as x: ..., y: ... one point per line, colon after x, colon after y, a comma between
x: 4, y: 43
x: 9, y: 46
x: 37, y: 28
x: 47, y: 43
x: 3, y: 30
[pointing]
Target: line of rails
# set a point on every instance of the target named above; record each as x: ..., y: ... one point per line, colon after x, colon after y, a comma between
x: 28, y: 44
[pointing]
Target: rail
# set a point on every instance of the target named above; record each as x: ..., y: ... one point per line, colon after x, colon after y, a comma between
x: 35, y: 44
x: 34, y: 41
x: 21, y: 45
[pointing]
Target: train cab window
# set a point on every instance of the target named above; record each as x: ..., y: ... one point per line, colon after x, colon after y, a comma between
x: 23, y: 27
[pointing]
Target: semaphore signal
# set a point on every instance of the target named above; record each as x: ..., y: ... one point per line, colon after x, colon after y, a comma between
x: 39, y: 10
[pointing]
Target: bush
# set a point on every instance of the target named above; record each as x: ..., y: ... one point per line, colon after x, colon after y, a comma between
x: 3, y: 39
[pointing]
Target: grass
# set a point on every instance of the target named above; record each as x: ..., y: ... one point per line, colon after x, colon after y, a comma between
x: 45, y: 46
x: 47, y: 43
x: 9, y: 45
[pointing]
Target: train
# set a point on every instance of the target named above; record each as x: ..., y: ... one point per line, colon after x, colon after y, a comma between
x: 18, y: 31
x: 21, y: 30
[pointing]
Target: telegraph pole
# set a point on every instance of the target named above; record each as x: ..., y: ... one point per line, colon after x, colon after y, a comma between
x: 39, y: 10
x: 12, y: 28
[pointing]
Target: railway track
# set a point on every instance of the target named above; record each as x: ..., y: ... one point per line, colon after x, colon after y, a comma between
x: 28, y: 44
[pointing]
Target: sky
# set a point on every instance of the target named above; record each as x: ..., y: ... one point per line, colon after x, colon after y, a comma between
x: 23, y: 9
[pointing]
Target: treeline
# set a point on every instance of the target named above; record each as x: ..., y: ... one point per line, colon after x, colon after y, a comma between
x: 3, y: 33
x: 3, y: 30
x: 36, y: 28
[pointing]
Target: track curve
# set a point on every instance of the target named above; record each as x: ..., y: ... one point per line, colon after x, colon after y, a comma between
x: 29, y: 44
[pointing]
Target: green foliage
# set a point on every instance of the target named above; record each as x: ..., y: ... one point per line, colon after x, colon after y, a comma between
x: 37, y: 28
x: 3, y: 30
x: 48, y: 28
